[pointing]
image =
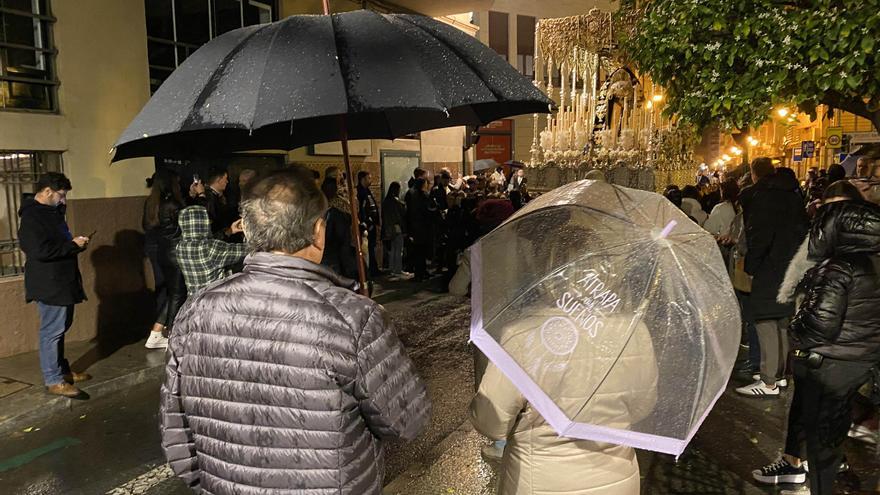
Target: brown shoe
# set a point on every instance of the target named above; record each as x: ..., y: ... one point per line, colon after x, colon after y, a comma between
x: 74, y: 377
x: 64, y: 389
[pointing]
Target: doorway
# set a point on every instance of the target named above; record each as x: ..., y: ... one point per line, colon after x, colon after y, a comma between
x: 398, y: 166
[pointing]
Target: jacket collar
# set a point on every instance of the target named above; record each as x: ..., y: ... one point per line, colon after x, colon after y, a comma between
x: 295, y: 268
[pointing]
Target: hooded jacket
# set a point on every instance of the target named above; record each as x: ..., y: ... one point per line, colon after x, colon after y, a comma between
x: 203, y: 259
x: 283, y: 380
x: 537, y: 460
x: 838, y: 318
x: 776, y: 224
x: 51, y: 272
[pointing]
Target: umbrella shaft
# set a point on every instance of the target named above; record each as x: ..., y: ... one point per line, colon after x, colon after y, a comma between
x: 353, y: 202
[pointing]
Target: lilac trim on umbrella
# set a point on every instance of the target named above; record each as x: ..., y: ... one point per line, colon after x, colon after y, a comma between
x: 542, y: 403
x: 555, y: 417
x: 696, y: 426
x: 524, y: 383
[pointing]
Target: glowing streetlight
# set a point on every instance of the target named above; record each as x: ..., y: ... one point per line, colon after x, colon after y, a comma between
x: 736, y: 150
x: 657, y: 98
x: 782, y: 112
x: 649, y: 105
x: 726, y: 158
x: 753, y: 141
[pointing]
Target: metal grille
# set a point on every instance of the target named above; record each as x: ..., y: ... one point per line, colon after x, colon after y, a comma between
x: 19, y: 171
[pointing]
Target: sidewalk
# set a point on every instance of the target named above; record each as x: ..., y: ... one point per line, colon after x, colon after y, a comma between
x: 23, y: 398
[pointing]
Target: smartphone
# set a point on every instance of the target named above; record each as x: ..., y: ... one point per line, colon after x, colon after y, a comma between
x: 196, y: 178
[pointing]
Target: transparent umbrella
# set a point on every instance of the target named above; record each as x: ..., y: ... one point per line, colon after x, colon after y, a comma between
x: 596, y: 295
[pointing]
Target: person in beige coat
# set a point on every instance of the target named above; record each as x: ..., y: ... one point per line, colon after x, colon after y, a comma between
x: 537, y: 461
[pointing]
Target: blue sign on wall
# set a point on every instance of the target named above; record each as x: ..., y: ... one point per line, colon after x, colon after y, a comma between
x: 808, y: 148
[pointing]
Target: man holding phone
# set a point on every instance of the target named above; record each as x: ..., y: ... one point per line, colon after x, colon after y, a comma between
x: 51, y: 277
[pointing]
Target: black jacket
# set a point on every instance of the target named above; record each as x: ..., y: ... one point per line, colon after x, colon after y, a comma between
x: 368, y: 209
x: 839, y: 315
x: 339, y: 253
x: 51, y: 273
x: 419, y: 216
x: 776, y: 224
x: 168, y: 230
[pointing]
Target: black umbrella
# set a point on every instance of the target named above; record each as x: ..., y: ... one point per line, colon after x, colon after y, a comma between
x: 313, y: 79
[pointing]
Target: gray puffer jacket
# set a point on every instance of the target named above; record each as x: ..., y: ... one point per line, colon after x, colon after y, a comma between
x: 283, y: 380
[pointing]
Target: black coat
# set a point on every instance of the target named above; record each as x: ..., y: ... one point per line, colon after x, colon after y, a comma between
x: 839, y: 315
x: 419, y: 216
x: 51, y: 273
x: 776, y: 224
x: 339, y: 253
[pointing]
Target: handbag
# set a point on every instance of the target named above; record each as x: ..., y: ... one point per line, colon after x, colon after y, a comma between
x: 741, y: 280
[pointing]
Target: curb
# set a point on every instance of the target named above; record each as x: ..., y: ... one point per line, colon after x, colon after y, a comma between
x: 37, y: 406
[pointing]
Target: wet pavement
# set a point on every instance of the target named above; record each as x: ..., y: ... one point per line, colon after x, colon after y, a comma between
x: 110, y: 444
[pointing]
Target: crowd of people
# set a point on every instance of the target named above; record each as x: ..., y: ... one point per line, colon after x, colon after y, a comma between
x: 805, y: 262
x: 426, y: 223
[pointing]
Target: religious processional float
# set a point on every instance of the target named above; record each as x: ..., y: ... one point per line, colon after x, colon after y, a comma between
x: 609, y: 117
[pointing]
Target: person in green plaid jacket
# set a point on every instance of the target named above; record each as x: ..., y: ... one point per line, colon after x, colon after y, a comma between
x: 202, y: 258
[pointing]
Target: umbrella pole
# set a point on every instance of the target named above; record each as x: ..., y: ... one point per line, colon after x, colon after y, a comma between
x: 352, y: 197
x: 353, y: 203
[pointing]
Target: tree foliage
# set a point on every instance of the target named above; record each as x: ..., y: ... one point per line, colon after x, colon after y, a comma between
x: 732, y: 61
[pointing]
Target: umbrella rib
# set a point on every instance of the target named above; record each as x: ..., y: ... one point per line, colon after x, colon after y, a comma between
x: 213, y: 81
x: 277, y: 27
x: 343, y: 68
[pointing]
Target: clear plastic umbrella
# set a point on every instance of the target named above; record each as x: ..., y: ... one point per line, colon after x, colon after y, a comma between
x: 610, y: 311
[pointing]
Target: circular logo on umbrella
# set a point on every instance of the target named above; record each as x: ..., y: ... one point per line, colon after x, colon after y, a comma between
x: 559, y: 335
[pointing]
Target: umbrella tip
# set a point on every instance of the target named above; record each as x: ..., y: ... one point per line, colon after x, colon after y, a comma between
x: 667, y: 230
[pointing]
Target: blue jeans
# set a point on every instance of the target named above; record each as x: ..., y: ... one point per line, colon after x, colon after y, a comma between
x: 54, y: 323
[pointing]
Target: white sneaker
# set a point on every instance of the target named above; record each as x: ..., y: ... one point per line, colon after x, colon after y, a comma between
x: 844, y: 466
x: 779, y: 383
x: 758, y: 389
x: 156, y: 341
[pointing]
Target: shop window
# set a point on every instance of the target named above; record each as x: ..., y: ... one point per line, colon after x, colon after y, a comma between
x: 177, y: 28
x: 27, y: 57
x: 19, y: 171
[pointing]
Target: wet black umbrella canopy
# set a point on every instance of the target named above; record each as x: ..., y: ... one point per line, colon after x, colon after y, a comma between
x: 287, y: 84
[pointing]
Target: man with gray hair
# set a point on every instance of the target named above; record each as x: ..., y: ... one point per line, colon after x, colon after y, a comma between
x: 282, y: 378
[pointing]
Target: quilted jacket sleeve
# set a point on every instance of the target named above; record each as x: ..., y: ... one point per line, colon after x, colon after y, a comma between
x: 820, y: 317
x: 393, y: 398
x: 177, y: 440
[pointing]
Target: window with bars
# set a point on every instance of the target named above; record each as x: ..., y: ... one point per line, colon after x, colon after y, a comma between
x: 177, y: 28
x: 27, y: 56
x: 19, y: 171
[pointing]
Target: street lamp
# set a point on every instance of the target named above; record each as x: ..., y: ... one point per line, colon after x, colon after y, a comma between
x: 782, y: 112
x: 657, y: 98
